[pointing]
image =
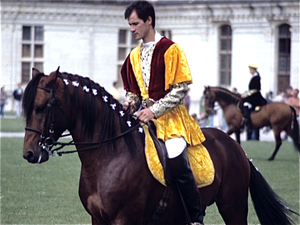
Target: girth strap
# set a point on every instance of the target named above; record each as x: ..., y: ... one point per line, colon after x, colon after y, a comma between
x: 161, y: 206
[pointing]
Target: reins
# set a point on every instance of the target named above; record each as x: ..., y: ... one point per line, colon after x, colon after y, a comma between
x: 47, y: 143
x: 96, y: 144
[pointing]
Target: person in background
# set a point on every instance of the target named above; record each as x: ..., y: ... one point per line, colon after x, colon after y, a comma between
x: 289, y: 93
x: 212, y: 116
x: 250, y: 100
x: 156, y: 76
x: 235, y: 91
x: 114, y: 91
x: 280, y: 97
x: 202, y: 120
x: 18, y: 94
x: 3, y: 98
x: 294, y: 101
x: 269, y: 96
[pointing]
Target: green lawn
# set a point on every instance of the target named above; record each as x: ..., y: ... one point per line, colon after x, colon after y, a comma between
x: 39, y: 194
x: 48, y: 193
x: 12, y: 125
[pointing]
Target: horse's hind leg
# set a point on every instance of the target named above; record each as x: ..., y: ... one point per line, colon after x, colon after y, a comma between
x: 278, y: 144
x: 233, y: 207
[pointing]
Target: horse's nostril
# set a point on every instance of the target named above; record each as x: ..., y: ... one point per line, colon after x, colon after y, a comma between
x: 29, y: 156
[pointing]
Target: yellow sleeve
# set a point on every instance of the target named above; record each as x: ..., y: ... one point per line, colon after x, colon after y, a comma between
x: 177, y: 69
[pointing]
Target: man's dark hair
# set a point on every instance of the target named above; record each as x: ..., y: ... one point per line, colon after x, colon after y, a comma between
x: 143, y: 9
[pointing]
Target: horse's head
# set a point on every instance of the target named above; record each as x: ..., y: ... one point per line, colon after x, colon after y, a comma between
x: 43, y: 109
x: 209, y: 100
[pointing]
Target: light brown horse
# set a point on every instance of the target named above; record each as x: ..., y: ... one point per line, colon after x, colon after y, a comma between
x: 116, y: 186
x: 279, y: 116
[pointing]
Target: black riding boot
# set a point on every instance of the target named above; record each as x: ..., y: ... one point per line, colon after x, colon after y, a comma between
x: 247, y: 119
x: 182, y: 174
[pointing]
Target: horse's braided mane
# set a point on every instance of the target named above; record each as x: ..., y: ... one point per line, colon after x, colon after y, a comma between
x: 228, y: 95
x: 89, y: 107
x: 109, y: 112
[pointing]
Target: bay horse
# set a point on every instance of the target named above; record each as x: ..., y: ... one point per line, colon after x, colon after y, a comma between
x: 116, y: 186
x: 278, y: 115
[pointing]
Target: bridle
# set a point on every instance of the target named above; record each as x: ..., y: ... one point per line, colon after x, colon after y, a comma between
x: 48, y: 142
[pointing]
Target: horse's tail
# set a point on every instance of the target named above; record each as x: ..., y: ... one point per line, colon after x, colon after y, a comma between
x: 295, y: 129
x: 267, y: 204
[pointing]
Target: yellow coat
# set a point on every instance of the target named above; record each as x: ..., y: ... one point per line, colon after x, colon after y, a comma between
x: 177, y: 122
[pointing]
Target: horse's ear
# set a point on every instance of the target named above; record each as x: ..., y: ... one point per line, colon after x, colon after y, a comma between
x: 52, y: 78
x: 35, y: 72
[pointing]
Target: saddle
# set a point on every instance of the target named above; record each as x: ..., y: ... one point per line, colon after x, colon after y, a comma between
x: 156, y: 156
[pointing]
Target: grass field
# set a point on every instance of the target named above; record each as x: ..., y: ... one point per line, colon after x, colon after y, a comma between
x: 48, y: 193
x: 39, y: 194
x: 12, y: 125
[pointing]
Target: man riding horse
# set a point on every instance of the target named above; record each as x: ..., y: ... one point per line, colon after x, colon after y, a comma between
x: 252, y: 99
x: 156, y: 74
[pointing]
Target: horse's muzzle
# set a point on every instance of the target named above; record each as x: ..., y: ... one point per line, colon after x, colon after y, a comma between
x: 33, y: 157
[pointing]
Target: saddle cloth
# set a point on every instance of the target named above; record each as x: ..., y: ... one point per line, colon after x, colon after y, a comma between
x: 200, y: 161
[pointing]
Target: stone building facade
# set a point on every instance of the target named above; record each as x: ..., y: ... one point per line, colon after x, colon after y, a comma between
x: 92, y: 38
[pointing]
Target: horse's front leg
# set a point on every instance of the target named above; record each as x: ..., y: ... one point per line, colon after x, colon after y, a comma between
x: 238, y: 137
x: 231, y: 130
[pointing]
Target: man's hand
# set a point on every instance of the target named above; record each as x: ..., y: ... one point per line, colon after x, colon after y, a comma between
x: 128, y: 103
x: 145, y: 115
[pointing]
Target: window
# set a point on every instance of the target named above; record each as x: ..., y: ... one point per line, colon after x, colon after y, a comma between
x: 25, y: 71
x: 166, y: 33
x: 284, y: 53
x: 225, y: 55
x: 32, y: 50
x: 127, y: 42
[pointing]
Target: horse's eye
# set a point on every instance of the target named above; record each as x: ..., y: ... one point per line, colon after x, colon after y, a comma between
x: 39, y: 110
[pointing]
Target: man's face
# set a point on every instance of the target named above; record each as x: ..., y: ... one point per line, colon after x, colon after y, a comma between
x: 138, y: 27
x: 252, y: 71
x: 295, y: 93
